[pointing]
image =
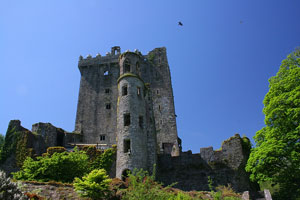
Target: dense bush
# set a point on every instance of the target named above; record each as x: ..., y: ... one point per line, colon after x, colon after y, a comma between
x: 95, y: 185
x: 105, y: 160
x: 9, y: 190
x: 63, y: 167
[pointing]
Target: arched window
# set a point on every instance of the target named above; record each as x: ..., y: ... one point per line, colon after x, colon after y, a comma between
x: 126, y: 66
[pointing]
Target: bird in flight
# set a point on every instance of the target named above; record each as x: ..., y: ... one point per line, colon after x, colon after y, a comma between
x: 180, y: 24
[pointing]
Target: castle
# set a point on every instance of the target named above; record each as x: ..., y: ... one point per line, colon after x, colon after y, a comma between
x: 127, y: 99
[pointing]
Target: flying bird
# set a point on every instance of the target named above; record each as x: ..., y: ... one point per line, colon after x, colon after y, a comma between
x: 180, y: 24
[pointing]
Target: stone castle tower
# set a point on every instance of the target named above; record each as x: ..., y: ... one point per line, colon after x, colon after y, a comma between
x: 127, y: 99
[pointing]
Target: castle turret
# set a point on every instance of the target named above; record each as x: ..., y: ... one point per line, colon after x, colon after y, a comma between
x: 131, y: 116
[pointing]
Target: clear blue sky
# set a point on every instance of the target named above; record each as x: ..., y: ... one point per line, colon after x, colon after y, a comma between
x: 220, y: 59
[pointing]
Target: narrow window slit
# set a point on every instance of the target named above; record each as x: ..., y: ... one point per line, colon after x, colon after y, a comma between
x: 126, y: 119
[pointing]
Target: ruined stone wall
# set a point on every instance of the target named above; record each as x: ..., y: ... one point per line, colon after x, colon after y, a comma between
x: 22, y: 142
x: 191, y: 171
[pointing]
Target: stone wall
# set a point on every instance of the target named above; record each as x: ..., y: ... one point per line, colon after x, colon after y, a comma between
x: 98, y: 88
x: 163, y: 100
x: 191, y: 171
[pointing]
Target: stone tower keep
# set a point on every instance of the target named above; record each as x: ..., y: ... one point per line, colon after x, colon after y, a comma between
x: 131, y: 113
x: 99, y: 112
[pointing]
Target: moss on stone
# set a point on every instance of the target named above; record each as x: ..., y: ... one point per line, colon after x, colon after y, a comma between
x: 22, y: 150
x: 129, y: 75
x: 16, y: 144
x: 52, y: 150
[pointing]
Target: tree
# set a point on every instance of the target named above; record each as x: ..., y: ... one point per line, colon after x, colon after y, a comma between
x: 276, y: 157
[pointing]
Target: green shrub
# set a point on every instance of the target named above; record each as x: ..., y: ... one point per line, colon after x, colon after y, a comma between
x: 95, y: 185
x: 143, y: 186
x: 105, y: 160
x: 92, y: 152
x: 63, y: 167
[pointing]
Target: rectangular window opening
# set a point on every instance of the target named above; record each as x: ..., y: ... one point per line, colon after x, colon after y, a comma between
x: 102, y: 137
x: 138, y: 91
x: 157, y: 91
x: 108, y: 106
x: 126, y: 145
x: 126, y: 119
x: 107, y: 91
x: 141, y: 122
x: 124, y: 90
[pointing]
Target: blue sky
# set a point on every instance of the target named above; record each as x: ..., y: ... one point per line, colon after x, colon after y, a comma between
x: 220, y: 59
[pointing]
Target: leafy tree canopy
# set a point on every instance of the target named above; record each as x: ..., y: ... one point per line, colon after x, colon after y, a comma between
x: 276, y: 157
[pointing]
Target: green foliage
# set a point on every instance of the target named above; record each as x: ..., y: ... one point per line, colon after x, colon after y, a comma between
x: 9, y: 144
x: 276, y: 157
x: 274, y: 188
x: 143, y: 186
x: 151, y: 57
x: 15, y: 142
x: 22, y: 152
x: 210, y: 183
x: 2, y: 138
x: 95, y: 185
x: 222, y: 192
x: 246, y: 145
x: 105, y: 160
x: 63, y: 167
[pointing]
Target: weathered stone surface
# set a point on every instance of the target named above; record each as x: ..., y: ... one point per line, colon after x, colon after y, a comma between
x: 267, y: 194
x: 133, y: 104
x: 191, y: 171
x: 245, y: 195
